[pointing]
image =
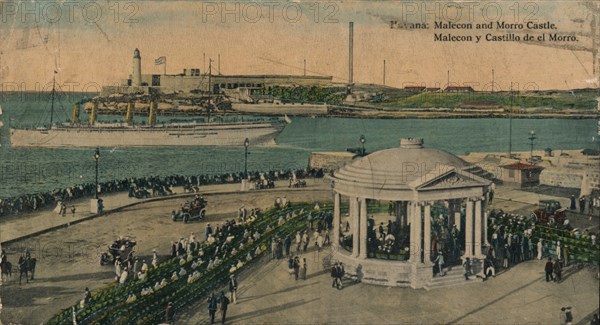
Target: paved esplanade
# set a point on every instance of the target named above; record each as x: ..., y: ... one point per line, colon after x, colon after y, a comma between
x: 21, y: 225
x: 267, y: 294
x: 270, y: 295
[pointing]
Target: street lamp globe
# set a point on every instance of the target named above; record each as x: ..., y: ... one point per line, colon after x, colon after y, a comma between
x: 362, y: 140
x: 246, y: 143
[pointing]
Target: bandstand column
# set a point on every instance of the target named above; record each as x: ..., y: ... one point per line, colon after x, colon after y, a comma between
x: 355, y: 232
x: 336, y: 219
x: 469, y: 229
x: 478, y: 229
x: 405, y: 216
x: 409, y: 211
x: 427, y: 231
x: 415, y: 233
x: 457, y: 220
x: 485, y: 220
x: 363, y: 229
x: 485, y: 228
x: 398, y: 213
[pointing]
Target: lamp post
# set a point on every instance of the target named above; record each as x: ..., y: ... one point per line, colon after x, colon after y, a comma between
x: 96, y: 157
x: 531, y: 138
x: 362, y: 141
x: 246, y: 144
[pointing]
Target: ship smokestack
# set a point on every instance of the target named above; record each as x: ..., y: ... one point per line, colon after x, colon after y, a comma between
x: 136, y: 74
x: 350, y: 55
x: 129, y: 115
x: 75, y: 114
x: 93, y: 112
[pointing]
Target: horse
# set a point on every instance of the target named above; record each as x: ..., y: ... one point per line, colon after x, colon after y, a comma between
x: 26, y: 265
x: 6, y: 270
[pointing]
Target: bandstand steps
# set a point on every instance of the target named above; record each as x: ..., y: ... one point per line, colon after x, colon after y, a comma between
x: 453, y: 277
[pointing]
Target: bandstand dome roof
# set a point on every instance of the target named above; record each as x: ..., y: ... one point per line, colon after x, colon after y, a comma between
x: 406, y: 167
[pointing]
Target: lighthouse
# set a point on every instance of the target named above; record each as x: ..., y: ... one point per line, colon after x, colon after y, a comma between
x: 136, y: 75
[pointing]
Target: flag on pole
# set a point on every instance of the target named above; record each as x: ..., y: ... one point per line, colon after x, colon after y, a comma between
x: 161, y: 60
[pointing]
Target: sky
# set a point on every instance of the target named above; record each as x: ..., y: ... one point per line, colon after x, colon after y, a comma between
x: 91, y: 43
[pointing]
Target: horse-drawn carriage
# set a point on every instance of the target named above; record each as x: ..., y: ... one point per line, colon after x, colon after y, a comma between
x: 139, y: 193
x: 161, y: 190
x: 264, y: 184
x: 189, y: 188
x: 294, y: 182
x: 191, y: 210
x: 121, y: 249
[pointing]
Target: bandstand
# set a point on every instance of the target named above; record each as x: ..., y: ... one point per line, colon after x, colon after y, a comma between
x: 413, y: 180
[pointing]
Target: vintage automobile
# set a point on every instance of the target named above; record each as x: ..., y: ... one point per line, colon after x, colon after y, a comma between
x: 550, y: 212
x: 191, y: 210
x: 297, y: 183
x: 120, y: 249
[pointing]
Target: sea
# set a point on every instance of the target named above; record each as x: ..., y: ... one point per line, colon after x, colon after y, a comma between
x: 35, y: 170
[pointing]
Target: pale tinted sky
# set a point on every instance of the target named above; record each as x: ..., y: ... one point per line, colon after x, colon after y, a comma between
x: 277, y: 43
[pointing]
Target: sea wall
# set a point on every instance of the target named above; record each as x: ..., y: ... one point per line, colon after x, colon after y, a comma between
x: 289, y: 108
x: 562, y: 177
x: 330, y: 160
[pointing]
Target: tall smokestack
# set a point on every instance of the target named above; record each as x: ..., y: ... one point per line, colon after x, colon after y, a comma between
x: 350, y: 53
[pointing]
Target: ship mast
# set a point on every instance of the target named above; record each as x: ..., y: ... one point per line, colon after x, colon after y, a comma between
x: 209, y: 89
x: 510, y: 123
x: 52, y: 104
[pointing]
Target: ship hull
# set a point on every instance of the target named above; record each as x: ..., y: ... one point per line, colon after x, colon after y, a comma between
x: 199, y: 135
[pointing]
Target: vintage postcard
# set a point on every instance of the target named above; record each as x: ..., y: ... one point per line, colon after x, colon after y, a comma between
x: 299, y: 162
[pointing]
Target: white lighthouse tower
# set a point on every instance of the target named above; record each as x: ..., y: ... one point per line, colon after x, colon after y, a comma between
x: 136, y: 75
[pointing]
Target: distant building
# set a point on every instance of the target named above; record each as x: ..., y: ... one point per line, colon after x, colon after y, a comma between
x: 192, y: 79
x: 415, y: 88
x: 432, y: 89
x: 520, y: 174
x: 459, y: 89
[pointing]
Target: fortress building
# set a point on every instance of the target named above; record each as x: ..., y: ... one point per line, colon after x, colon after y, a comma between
x: 194, y: 80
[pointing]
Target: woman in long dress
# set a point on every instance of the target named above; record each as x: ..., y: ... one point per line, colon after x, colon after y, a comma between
x: 539, y: 250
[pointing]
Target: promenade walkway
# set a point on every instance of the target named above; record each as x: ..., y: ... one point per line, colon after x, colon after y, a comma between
x: 25, y: 225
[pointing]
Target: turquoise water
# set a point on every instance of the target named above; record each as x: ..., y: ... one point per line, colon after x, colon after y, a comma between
x: 33, y: 170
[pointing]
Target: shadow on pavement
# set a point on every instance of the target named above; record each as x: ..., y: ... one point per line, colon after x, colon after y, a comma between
x: 264, y: 311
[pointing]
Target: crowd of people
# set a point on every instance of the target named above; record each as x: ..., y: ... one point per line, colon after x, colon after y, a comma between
x: 190, y: 259
x: 514, y: 238
x: 33, y: 202
x: 316, y: 232
x: 392, y: 241
x: 591, y: 203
